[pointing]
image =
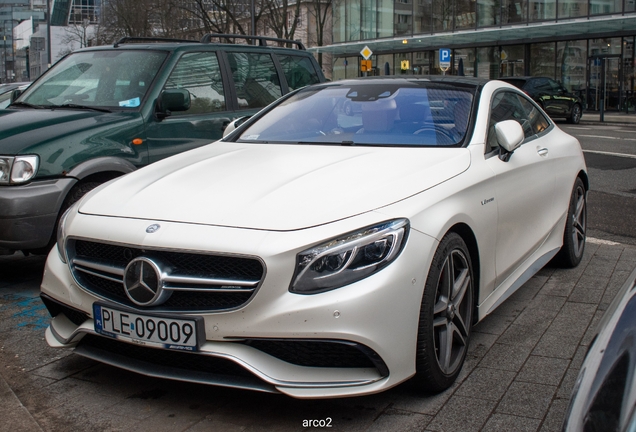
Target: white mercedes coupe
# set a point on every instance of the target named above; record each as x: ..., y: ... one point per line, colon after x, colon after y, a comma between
x: 341, y: 241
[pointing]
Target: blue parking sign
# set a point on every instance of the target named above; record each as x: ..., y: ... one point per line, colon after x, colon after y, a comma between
x: 444, y: 57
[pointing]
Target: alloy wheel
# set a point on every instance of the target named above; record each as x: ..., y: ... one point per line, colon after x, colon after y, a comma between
x: 579, y: 222
x: 452, y: 312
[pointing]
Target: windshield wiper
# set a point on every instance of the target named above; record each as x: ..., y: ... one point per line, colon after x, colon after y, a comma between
x: 26, y: 104
x: 76, y: 106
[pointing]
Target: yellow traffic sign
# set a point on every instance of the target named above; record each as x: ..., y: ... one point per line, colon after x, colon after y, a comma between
x: 366, y: 52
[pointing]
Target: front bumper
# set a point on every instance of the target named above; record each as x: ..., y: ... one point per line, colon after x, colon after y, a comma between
x: 28, y: 213
x: 380, y: 313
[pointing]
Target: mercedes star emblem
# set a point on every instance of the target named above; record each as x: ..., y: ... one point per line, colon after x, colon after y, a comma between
x: 143, y: 282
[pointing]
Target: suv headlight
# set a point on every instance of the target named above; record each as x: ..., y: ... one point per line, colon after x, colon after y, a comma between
x: 61, y: 231
x: 349, y: 258
x: 18, y: 169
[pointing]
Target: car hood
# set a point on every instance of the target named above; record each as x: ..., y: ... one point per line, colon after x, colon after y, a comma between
x: 21, y: 129
x: 273, y: 186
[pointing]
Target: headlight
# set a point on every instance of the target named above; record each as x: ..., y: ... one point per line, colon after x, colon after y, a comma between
x: 349, y: 258
x: 18, y: 169
x: 61, y: 232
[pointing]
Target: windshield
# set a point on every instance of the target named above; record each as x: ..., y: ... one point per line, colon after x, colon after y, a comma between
x: 421, y: 114
x: 106, y: 79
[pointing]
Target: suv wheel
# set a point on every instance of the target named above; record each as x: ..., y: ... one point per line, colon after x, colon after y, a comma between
x: 575, y: 117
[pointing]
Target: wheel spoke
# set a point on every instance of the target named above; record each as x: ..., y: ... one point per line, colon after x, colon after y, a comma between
x: 578, y: 212
x: 445, y: 347
x: 460, y: 287
x: 462, y: 330
x: 443, y: 287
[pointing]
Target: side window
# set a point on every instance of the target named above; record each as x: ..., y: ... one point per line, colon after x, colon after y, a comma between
x: 199, y: 73
x: 543, y: 84
x: 511, y: 106
x: 299, y: 71
x: 556, y: 87
x: 255, y: 78
x: 537, y: 121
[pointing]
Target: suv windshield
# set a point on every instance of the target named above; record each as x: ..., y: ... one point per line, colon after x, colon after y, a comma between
x: 106, y: 79
x: 424, y: 114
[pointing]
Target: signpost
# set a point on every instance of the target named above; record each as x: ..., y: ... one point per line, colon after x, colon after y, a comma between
x: 444, y: 59
x: 366, y: 65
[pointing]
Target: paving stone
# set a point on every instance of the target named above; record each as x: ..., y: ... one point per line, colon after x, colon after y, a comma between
x: 567, y: 384
x: 508, y: 423
x: 461, y: 414
x: 530, y: 289
x: 548, y: 302
x: 506, y: 357
x: 554, y: 419
x: 510, y: 308
x: 486, y: 383
x: 480, y: 343
x: 412, y: 400
x: 556, y: 345
x: 579, y: 356
x: 593, y: 281
x: 607, y: 251
x: 539, y: 318
x: 493, y: 324
x: 558, y: 288
x: 521, y: 335
x: 543, y: 370
x: 592, y: 328
x: 585, y: 295
x: 527, y: 399
x: 397, y: 420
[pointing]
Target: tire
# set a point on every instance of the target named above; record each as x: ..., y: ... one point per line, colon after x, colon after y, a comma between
x: 74, y: 195
x: 574, y: 235
x: 575, y: 116
x: 445, y: 316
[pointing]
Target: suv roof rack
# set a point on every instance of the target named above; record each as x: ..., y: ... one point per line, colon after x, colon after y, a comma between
x: 262, y: 40
x: 128, y: 39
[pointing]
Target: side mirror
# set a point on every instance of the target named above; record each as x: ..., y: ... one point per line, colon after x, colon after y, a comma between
x: 234, y: 124
x: 509, y: 136
x: 15, y: 94
x: 172, y: 100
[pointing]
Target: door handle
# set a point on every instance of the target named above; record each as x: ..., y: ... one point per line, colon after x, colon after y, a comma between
x: 542, y: 151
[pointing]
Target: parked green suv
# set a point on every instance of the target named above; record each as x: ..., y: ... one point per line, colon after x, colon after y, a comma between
x: 103, y: 112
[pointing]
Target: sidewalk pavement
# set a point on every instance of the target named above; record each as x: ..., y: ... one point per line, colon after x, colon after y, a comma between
x: 611, y: 117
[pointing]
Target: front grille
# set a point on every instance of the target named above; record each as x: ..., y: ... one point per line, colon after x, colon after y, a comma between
x: 197, y: 282
x: 321, y: 353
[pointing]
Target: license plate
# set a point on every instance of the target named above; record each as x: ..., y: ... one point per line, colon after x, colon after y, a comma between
x: 151, y: 330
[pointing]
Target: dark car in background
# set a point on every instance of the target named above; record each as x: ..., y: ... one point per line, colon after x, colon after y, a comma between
x: 555, y: 100
x: 102, y: 112
x: 604, y: 395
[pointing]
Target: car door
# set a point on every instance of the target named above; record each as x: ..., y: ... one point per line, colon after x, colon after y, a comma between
x: 542, y: 92
x: 201, y: 74
x: 524, y: 184
x: 561, y: 101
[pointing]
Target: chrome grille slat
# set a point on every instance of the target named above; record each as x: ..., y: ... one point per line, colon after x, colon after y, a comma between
x: 176, y: 279
x: 199, y: 282
x: 101, y: 275
x: 104, y: 268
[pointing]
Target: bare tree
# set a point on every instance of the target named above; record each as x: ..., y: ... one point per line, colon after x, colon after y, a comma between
x: 79, y: 34
x: 126, y: 18
x: 224, y: 16
x: 282, y: 17
x: 320, y: 11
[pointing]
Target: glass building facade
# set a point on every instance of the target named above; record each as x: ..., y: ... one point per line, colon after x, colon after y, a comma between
x: 587, y: 45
